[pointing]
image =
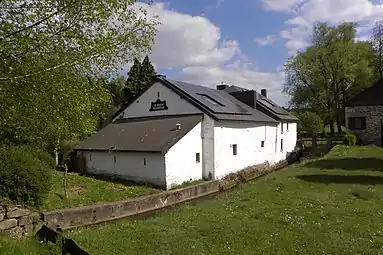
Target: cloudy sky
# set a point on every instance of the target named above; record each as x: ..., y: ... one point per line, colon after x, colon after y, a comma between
x: 245, y: 42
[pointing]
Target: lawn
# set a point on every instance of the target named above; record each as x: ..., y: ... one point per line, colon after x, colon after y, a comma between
x: 84, y: 190
x: 329, y: 206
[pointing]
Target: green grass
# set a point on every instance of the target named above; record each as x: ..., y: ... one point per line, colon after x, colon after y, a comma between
x: 84, y: 190
x: 329, y: 206
x: 10, y: 246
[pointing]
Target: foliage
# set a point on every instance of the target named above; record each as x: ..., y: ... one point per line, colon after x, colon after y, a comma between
x: 377, y: 44
x: 25, y: 178
x: 97, y: 37
x: 331, y: 71
x: 309, y: 122
x: 140, y: 76
x: 350, y: 139
x: 43, y: 109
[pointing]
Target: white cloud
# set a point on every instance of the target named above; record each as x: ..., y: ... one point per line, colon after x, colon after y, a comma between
x: 307, y: 12
x: 194, y: 45
x: 267, y: 40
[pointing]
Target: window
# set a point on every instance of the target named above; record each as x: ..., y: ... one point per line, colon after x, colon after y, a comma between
x: 234, y: 146
x: 281, y: 144
x: 210, y: 99
x: 115, y: 159
x: 90, y: 157
x: 357, y: 123
x: 158, y: 94
x: 287, y: 126
x: 281, y: 127
x: 144, y: 161
x: 262, y: 144
x: 197, y: 158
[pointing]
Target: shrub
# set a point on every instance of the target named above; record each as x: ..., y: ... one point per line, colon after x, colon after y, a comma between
x: 25, y: 175
x: 349, y: 139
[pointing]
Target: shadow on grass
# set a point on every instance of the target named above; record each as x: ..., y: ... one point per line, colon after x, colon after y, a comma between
x: 372, y: 164
x: 342, y: 179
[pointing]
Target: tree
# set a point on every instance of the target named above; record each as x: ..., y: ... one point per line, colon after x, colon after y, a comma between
x: 309, y: 122
x: 329, y: 72
x: 140, y: 77
x: 97, y: 37
x: 377, y: 44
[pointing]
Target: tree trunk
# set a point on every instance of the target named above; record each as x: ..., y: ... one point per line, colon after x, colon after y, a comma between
x: 332, y: 131
x: 339, y: 126
x: 57, y: 152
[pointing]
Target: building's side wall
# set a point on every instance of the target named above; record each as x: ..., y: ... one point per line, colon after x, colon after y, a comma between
x: 181, y: 160
x: 289, y: 136
x: 374, y: 116
x: 139, y: 167
x: 176, y: 105
x: 248, y: 138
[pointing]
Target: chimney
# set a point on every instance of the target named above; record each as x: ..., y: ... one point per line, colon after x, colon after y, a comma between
x: 222, y: 86
x: 178, y: 126
x: 264, y: 92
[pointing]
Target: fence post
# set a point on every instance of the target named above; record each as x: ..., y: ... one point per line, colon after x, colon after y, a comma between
x: 314, y: 141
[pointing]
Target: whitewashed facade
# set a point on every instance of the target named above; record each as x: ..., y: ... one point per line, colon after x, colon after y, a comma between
x: 211, y: 149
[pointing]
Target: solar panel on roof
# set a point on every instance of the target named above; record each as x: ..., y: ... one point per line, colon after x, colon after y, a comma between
x: 269, y: 104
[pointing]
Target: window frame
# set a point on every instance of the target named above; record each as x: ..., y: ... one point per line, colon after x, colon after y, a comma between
x: 352, y: 123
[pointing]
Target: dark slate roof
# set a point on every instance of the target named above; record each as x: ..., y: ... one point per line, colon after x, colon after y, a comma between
x: 218, y: 104
x: 370, y: 96
x: 265, y: 105
x: 149, y: 135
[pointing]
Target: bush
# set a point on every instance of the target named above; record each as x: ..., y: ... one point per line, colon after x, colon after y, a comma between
x: 349, y: 139
x: 25, y: 175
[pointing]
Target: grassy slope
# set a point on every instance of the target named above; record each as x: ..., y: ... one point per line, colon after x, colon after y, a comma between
x: 284, y: 213
x: 300, y: 210
x: 83, y: 190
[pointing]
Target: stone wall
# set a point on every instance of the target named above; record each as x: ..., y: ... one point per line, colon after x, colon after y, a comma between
x: 16, y: 221
x: 374, y: 115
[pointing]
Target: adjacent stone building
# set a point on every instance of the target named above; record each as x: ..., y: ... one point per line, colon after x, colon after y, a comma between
x: 364, y: 114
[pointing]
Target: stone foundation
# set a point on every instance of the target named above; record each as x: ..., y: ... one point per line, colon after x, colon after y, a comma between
x: 16, y: 221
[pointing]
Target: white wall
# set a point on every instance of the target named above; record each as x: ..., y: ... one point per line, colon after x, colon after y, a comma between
x: 134, y: 166
x: 289, y: 136
x: 176, y: 105
x: 180, y: 160
x: 248, y: 138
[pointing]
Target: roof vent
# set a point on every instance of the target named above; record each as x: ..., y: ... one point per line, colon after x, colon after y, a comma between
x: 178, y: 126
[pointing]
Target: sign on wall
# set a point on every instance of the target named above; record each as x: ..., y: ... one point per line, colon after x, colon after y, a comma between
x: 158, y: 105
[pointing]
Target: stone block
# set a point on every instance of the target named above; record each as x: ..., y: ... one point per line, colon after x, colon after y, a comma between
x: 11, y: 208
x: 18, y: 213
x: 2, y: 209
x: 30, y: 219
x: 7, y: 224
x: 28, y: 230
x: 15, y: 232
x: 2, y: 215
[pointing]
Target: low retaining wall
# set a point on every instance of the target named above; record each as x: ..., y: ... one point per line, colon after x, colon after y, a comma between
x: 93, y: 214
x: 16, y: 221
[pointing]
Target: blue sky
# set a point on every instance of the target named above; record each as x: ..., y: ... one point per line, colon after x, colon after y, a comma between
x: 245, y: 42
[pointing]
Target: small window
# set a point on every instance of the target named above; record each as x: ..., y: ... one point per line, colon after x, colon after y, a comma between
x: 234, y: 149
x: 158, y: 94
x: 287, y: 126
x: 357, y: 123
x: 262, y: 144
x: 90, y: 157
x: 281, y: 127
x: 210, y: 99
x: 197, y: 158
x: 144, y: 161
x: 115, y: 159
x: 281, y: 144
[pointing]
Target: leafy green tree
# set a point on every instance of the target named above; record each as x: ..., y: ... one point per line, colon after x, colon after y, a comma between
x: 377, y: 44
x: 139, y: 78
x: 329, y: 72
x: 309, y: 122
x: 97, y: 37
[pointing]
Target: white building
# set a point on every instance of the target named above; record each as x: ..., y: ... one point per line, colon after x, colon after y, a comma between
x: 176, y: 132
